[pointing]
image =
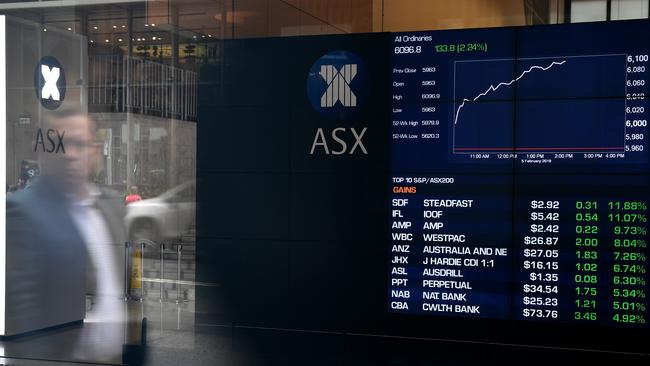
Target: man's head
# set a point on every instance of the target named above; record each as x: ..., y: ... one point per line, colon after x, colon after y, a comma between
x: 68, y: 167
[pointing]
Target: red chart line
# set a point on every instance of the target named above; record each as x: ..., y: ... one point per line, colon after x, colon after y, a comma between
x: 541, y: 148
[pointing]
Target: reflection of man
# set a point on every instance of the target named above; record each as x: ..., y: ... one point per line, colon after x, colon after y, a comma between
x: 65, y: 239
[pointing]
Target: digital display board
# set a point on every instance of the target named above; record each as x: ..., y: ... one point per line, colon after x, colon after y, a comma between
x: 519, y: 184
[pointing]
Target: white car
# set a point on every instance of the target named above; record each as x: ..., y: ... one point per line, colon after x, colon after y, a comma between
x: 167, y: 216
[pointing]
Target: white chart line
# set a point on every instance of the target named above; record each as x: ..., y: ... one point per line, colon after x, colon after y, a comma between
x: 494, y: 88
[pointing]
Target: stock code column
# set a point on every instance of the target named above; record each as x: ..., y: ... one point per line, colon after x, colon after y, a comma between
x: 450, y: 251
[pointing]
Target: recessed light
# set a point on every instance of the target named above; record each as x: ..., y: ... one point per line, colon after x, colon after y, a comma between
x: 154, y: 38
x: 210, y: 35
x: 107, y: 41
x: 146, y: 24
x: 44, y: 29
x: 114, y: 27
x: 91, y: 41
x: 194, y: 37
x: 69, y: 28
x: 153, y: 24
x: 119, y: 39
x: 95, y: 27
x: 123, y: 26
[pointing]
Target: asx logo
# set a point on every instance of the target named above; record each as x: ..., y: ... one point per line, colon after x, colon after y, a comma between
x: 49, y: 82
x: 337, y: 85
x: 51, y: 76
x: 337, y: 88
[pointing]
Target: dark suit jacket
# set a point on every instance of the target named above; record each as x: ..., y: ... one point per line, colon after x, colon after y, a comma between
x: 47, y: 263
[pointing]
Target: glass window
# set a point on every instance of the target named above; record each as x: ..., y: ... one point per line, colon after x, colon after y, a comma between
x: 103, y: 104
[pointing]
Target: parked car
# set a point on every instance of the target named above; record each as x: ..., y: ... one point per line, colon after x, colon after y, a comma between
x: 163, y: 217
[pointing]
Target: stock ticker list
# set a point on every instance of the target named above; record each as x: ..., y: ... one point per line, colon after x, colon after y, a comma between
x: 519, y: 185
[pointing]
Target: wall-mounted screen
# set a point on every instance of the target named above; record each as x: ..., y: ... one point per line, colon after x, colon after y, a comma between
x: 519, y: 173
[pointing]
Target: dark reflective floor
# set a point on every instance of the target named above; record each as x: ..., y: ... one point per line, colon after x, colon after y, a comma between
x: 169, y: 326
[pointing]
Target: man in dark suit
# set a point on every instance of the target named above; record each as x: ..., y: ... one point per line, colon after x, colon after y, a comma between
x: 65, y: 240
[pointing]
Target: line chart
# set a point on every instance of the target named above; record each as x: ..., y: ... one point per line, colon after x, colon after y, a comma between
x: 494, y: 88
x: 545, y: 104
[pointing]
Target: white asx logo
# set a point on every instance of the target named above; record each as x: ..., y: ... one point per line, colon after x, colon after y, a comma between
x: 338, y: 85
x: 51, y: 77
x: 337, y: 88
x: 49, y: 82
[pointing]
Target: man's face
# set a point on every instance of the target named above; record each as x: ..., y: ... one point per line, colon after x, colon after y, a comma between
x: 71, y: 168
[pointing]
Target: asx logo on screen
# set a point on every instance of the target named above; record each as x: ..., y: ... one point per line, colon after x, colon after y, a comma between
x: 337, y: 88
x: 49, y: 82
x: 338, y: 85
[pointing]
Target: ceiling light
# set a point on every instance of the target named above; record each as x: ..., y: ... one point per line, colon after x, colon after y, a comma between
x: 95, y: 27
x: 146, y: 25
x: 153, y: 24
x: 70, y: 29
x: 119, y: 39
x: 123, y: 26
x: 44, y: 29
x: 154, y: 38
x: 114, y: 27
x: 107, y: 41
